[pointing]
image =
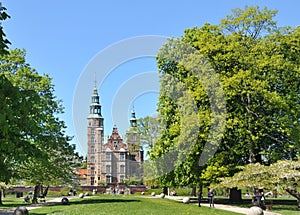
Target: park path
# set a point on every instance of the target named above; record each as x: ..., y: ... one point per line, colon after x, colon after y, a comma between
x: 10, y: 211
x: 224, y: 207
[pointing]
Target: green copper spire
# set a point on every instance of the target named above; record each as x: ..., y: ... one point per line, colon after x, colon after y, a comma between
x: 133, y: 119
x: 95, y: 107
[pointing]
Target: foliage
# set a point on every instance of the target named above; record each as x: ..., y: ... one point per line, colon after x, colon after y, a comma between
x: 84, y: 165
x: 149, y: 174
x: 3, y: 41
x: 133, y: 180
x: 283, y: 174
x: 257, y: 65
x: 32, y: 137
x: 147, y: 127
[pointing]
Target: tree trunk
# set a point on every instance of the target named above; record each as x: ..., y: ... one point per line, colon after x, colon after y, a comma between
x: 251, y: 152
x: 1, y: 196
x: 296, y: 195
x: 37, y: 193
x: 193, y: 193
x: 235, y: 196
x: 254, y: 156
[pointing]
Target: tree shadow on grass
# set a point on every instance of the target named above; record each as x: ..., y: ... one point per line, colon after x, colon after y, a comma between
x: 7, y: 205
x: 97, y: 201
x: 86, y: 202
x: 58, y: 211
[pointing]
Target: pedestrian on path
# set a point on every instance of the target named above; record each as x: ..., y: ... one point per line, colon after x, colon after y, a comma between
x: 199, y: 197
x: 211, y: 196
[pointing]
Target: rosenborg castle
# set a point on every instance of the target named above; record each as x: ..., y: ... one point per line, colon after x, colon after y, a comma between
x: 114, y: 160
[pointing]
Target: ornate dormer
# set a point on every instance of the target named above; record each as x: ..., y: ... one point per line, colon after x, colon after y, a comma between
x: 115, y: 134
x: 115, y: 141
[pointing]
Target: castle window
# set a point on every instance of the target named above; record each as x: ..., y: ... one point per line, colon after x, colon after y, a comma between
x: 122, y: 169
x: 107, y: 156
x: 122, y: 156
x: 92, y: 171
x: 108, y: 179
x: 92, y: 159
x: 92, y: 149
x: 121, y: 178
x: 108, y: 169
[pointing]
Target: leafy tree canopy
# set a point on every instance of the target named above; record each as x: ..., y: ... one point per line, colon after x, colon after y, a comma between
x: 3, y: 41
x: 257, y: 65
x: 284, y: 174
x: 34, y: 146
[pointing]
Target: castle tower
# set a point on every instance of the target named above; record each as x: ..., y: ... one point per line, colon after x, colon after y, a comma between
x: 136, y: 155
x: 95, y: 140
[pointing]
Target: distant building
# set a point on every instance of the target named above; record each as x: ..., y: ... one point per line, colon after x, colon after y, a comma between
x: 81, y: 176
x: 115, y: 160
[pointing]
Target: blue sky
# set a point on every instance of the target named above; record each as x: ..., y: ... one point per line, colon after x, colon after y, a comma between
x: 63, y: 37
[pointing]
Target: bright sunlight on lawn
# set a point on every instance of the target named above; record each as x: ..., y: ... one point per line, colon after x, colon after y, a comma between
x: 116, y: 205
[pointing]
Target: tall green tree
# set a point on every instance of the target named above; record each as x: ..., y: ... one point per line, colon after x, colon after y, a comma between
x: 257, y: 64
x: 147, y: 127
x: 34, y: 146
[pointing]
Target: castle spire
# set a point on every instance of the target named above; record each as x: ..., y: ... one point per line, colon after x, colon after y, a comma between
x: 133, y: 118
x: 95, y: 107
x: 95, y: 80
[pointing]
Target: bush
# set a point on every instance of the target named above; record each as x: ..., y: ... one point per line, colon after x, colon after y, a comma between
x: 179, y: 191
x: 64, y: 191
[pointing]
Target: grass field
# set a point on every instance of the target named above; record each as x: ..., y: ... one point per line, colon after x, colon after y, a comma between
x: 133, y: 204
x: 116, y: 205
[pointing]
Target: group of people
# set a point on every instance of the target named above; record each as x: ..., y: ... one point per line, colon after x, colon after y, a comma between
x: 72, y: 192
x: 210, y: 197
x: 258, y: 199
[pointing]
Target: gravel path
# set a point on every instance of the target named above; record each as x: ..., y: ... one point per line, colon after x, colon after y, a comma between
x: 224, y: 207
x: 53, y: 201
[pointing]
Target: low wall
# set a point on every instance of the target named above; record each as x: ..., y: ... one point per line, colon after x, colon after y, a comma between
x: 137, y: 188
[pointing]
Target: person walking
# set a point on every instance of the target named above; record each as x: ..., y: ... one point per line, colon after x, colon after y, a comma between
x: 211, y: 196
x: 199, y: 197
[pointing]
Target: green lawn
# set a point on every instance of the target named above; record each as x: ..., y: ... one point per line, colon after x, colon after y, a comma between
x: 286, y: 209
x: 115, y: 205
x: 133, y: 204
x: 10, y: 201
